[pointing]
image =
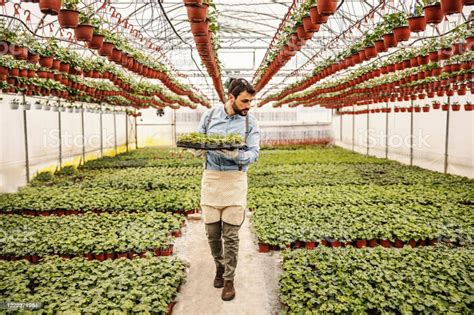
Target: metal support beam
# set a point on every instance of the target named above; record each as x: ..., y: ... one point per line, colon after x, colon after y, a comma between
x: 340, y: 127
x: 115, y: 134
x: 446, y: 144
x: 83, y: 139
x: 353, y: 127
x: 60, y: 140
x: 126, y: 132
x: 411, y: 134
x: 386, y: 133
x: 368, y: 126
x: 136, y: 131
x: 25, y: 134
x: 101, y: 133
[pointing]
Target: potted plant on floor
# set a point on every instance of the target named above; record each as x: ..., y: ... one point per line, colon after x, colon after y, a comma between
x: 68, y: 16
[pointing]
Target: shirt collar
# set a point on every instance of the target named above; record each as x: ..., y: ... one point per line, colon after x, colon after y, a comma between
x: 224, y: 113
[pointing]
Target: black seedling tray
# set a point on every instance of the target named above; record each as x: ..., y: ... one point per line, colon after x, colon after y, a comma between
x: 203, y: 146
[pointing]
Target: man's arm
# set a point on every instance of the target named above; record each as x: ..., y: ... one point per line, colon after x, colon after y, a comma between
x: 253, y: 143
x: 202, y: 124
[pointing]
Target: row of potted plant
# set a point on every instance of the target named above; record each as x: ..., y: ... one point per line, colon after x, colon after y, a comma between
x: 88, y: 234
x: 81, y: 286
x: 51, y: 55
x: 455, y: 106
x: 298, y: 29
x: 460, y: 64
x: 408, y: 281
x: 202, y: 16
x: 437, y: 49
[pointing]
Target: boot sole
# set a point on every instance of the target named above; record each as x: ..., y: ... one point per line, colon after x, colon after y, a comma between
x: 218, y: 286
x: 229, y: 298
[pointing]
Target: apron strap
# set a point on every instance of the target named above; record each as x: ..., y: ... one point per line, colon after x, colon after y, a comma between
x: 206, y: 128
x: 246, y: 134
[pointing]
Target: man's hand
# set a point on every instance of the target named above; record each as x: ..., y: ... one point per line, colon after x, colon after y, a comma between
x: 228, y: 154
x: 196, y: 153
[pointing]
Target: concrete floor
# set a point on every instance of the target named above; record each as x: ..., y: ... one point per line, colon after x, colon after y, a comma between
x: 256, y: 280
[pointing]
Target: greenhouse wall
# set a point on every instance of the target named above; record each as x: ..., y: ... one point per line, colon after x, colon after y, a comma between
x: 43, y: 140
x: 429, y: 136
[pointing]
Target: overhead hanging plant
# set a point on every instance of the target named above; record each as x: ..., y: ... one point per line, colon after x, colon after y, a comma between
x: 68, y: 16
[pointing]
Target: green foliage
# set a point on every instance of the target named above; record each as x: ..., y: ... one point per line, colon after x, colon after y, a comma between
x: 88, y: 233
x: 378, y: 281
x: 78, y: 286
x: 199, y: 138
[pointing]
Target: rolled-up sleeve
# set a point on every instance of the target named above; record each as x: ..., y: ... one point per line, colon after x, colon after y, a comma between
x: 202, y: 123
x: 250, y: 155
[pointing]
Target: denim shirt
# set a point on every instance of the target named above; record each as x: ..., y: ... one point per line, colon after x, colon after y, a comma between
x: 223, y: 124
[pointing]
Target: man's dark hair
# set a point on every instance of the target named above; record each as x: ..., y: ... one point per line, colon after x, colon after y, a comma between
x: 237, y: 86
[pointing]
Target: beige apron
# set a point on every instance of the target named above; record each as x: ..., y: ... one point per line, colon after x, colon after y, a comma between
x: 224, y: 196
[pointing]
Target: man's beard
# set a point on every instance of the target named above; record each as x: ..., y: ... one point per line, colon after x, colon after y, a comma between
x: 238, y: 111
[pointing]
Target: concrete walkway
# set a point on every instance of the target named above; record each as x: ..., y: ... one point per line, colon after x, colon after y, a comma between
x: 256, y: 281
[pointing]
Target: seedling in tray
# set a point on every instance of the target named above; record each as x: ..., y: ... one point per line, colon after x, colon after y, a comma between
x: 210, y: 142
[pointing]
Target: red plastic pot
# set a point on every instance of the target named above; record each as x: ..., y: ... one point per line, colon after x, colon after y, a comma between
x: 385, y: 243
x: 96, y: 42
x: 445, y: 107
x: 33, y: 57
x: 100, y: 257
x: 51, y: 7
x: 334, y: 243
x: 412, y: 243
x: 309, y: 245
x: 451, y: 6
x: 327, y: 7
x: 456, y: 107
x: 468, y: 107
x: 199, y: 28
x: 390, y: 40
x: 417, y: 24
x: 263, y: 248
x: 468, y: 2
x: 106, y: 49
x: 197, y: 13
x: 309, y: 26
x: 68, y: 18
x: 110, y: 256
x: 402, y: 33
x: 436, y: 105
x: 380, y: 46
x: 371, y: 52
x: 433, y: 14
x: 84, y: 32
x: 316, y: 17
x: 361, y: 243
x: 426, y: 109
x: 20, y: 53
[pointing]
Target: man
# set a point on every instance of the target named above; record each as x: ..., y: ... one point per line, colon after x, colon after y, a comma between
x: 224, y: 181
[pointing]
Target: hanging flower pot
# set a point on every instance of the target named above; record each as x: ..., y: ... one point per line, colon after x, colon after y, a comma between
x: 390, y: 40
x: 417, y: 24
x: 309, y: 26
x: 68, y: 18
x: 106, y: 49
x: 96, y: 41
x: 468, y: 2
x: 433, y: 14
x: 380, y: 46
x: 33, y: 57
x: 20, y: 53
x: 84, y: 32
x: 468, y: 107
x: 402, y: 33
x: 197, y: 13
x: 199, y: 28
x: 456, y: 107
x: 458, y: 48
x: 64, y: 67
x: 316, y: 17
x: 444, y: 54
x: 371, y: 52
x: 327, y: 7
x: 116, y: 55
x: 451, y: 6
x: 51, y: 7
